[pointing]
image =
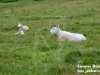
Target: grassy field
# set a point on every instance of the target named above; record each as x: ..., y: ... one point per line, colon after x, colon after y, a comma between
x: 38, y: 52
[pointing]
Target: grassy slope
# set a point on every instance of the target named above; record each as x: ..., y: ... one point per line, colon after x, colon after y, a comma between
x: 37, y: 52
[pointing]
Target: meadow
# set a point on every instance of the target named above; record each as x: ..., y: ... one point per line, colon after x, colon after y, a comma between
x: 38, y: 52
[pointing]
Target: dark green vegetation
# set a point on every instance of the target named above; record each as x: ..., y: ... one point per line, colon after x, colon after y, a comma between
x: 6, y: 1
x: 38, y: 52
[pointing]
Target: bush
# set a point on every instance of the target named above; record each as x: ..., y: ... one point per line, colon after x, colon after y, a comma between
x: 6, y: 1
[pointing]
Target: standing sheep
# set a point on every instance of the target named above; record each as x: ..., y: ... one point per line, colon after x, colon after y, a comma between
x: 67, y: 36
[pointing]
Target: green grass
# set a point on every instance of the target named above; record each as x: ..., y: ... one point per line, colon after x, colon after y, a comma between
x: 38, y: 52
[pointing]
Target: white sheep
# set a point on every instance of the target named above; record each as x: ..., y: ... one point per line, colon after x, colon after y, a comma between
x: 22, y: 28
x: 21, y: 32
x: 67, y: 36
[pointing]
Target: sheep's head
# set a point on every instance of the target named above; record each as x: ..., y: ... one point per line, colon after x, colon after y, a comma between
x: 54, y: 30
x: 19, y: 25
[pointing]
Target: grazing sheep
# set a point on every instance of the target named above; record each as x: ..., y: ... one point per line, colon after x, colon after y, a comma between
x: 22, y: 28
x: 67, y: 36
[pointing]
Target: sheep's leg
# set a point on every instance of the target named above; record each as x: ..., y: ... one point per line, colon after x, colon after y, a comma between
x: 60, y: 45
x: 20, y: 32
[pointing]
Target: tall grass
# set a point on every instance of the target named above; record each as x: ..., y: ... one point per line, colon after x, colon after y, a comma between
x: 38, y: 52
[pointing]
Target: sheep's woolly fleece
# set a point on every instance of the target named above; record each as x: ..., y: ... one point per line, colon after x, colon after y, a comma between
x: 67, y: 36
x: 22, y: 29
